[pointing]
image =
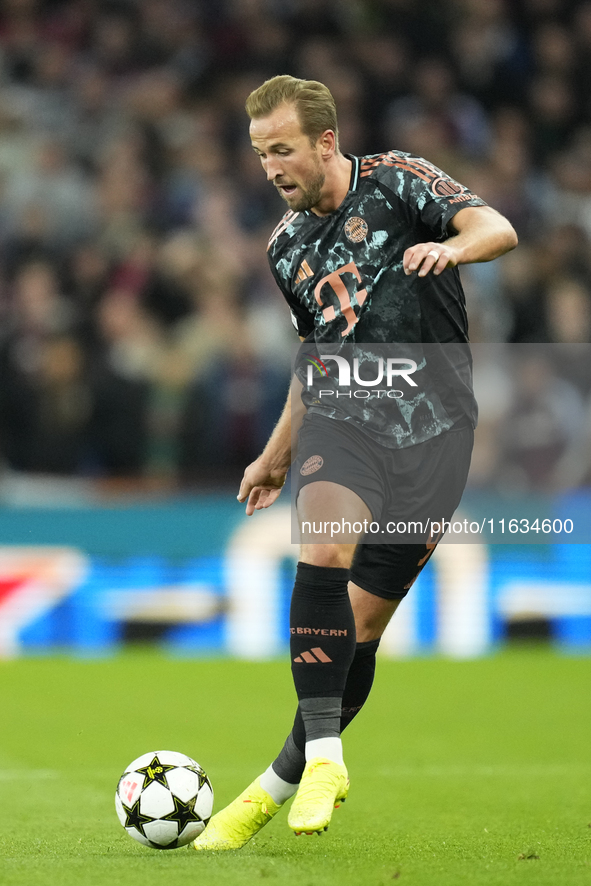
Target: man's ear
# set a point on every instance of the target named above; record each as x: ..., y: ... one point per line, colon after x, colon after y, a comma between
x: 328, y: 143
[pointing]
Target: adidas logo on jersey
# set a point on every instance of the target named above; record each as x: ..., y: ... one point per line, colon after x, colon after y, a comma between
x: 304, y: 272
x: 314, y: 656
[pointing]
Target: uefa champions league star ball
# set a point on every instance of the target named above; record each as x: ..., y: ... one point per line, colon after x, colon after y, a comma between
x: 164, y: 799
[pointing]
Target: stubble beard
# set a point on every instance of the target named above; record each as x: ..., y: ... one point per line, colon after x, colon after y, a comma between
x: 310, y: 195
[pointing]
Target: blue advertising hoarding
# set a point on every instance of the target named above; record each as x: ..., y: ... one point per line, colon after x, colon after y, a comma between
x: 197, y: 577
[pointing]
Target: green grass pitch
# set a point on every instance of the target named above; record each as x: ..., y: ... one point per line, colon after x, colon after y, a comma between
x: 461, y: 772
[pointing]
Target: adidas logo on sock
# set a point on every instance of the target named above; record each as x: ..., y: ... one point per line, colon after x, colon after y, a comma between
x: 315, y: 656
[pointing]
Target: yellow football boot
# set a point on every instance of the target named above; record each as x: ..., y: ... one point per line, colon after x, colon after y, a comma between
x: 234, y: 826
x: 324, y: 786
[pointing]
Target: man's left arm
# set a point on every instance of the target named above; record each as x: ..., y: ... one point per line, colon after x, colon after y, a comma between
x: 481, y: 234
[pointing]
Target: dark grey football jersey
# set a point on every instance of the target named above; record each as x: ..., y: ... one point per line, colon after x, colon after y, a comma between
x: 343, y: 279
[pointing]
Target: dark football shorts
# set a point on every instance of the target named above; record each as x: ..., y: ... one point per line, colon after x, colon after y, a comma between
x: 409, y: 492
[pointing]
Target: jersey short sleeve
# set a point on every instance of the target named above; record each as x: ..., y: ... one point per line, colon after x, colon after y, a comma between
x: 301, y: 318
x: 424, y: 188
x: 280, y: 257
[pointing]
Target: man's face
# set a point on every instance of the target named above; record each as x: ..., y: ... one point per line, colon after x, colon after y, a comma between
x: 291, y: 162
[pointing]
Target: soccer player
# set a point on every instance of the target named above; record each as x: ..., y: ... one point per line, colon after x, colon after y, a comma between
x: 367, y: 252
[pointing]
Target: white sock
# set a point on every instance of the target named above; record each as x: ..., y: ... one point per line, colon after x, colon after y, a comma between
x: 329, y: 748
x: 278, y: 789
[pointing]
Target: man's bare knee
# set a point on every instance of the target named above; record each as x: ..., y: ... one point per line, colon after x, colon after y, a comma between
x: 336, y: 556
x: 372, y: 614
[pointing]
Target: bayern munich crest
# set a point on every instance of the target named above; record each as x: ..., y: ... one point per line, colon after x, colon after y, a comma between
x: 313, y: 464
x: 356, y: 229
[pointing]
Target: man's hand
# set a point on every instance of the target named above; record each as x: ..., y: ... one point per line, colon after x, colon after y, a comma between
x: 261, y: 486
x: 479, y: 233
x: 426, y: 257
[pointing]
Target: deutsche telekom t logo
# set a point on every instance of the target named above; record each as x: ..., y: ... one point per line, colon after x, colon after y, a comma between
x: 338, y: 286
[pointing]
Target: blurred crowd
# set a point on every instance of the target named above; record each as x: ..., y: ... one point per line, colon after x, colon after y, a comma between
x: 142, y: 334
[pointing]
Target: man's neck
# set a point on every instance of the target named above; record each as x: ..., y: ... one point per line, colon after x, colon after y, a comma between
x: 336, y: 185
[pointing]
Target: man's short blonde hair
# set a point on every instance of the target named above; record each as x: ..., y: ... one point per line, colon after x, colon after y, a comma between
x: 313, y: 101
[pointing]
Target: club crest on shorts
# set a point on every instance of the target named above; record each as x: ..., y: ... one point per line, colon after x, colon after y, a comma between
x: 356, y: 229
x: 312, y: 464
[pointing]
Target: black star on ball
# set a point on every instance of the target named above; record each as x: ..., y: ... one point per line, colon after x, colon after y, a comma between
x: 155, y: 771
x: 203, y: 779
x: 134, y: 818
x: 183, y: 813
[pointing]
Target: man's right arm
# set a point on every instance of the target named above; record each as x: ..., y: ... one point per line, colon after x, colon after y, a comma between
x: 264, y: 479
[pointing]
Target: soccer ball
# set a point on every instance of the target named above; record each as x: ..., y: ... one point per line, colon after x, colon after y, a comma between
x: 164, y: 799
